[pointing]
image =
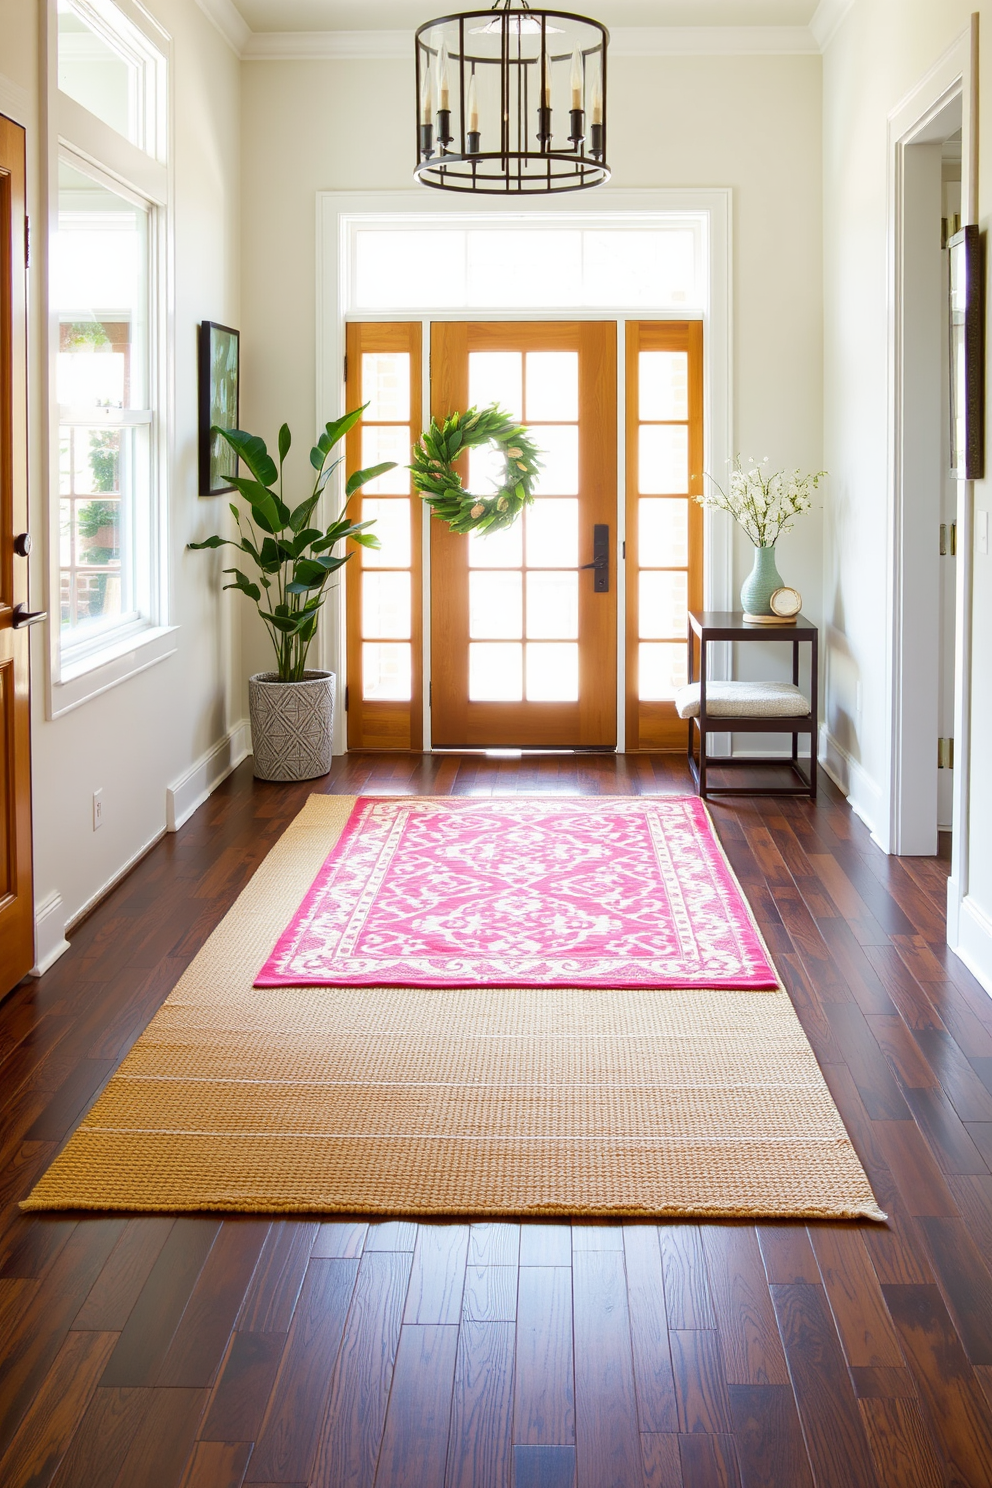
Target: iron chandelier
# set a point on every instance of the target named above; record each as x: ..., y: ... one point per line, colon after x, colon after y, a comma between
x: 511, y: 101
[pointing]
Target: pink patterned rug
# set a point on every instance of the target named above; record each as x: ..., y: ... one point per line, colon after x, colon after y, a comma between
x: 523, y: 891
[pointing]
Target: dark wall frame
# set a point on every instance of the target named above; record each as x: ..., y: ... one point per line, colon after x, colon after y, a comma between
x: 218, y: 390
x: 966, y: 320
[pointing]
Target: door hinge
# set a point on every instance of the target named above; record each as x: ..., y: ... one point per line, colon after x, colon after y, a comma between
x: 430, y: 693
x: 945, y: 754
x: 346, y: 699
x: 948, y: 227
x: 27, y: 242
x: 623, y: 549
x: 346, y: 369
x: 948, y: 539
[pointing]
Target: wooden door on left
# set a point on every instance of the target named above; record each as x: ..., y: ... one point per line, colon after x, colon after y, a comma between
x: 16, y: 895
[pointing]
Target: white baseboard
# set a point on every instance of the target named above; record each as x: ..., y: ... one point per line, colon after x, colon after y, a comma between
x: 969, y: 935
x: 202, y: 778
x: 851, y: 777
x: 49, y: 935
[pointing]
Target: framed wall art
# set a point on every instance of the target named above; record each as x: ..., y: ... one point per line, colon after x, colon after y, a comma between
x: 219, y: 369
x: 966, y: 320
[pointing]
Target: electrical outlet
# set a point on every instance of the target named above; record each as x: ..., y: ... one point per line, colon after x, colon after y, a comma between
x: 981, y: 531
x: 97, y: 809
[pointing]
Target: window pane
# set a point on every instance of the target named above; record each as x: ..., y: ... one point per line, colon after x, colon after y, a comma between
x: 400, y: 270
x: 662, y: 533
x: 495, y: 672
x: 553, y: 534
x: 553, y: 606
x: 386, y: 386
x: 495, y: 605
x: 663, y: 459
x: 663, y: 607
x: 98, y: 75
x: 503, y: 549
x: 552, y: 673
x: 664, y: 384
x: 559, y: 456
x: 552, y: 385
x: 496, y: 377
x: 386, y: 671
x: 379, y: 444
x: 392, y: 528
x: 98, y: 486
x: 99, y: 286
x: 98, y: 533
x: 386, y: 605
x: 655, y: 269
x: 98, y: 597
x: 507, y: 267
x: 662, y: 670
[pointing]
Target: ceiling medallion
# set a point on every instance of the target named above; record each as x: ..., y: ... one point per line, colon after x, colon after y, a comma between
x: 512, y: 101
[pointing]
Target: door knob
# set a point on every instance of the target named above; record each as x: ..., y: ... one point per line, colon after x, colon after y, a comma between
x: 22, y: 544
x: 24, y: 617
x: 600, y: 558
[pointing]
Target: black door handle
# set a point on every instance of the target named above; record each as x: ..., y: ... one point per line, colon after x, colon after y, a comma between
x: 22, y: 544
x: 600, y: 558
x: 24, y: 617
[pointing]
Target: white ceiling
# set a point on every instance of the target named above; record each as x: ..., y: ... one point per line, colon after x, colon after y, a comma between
x: 376, y: 15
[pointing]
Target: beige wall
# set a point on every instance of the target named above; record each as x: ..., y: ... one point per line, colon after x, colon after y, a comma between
x: 141, y: 736
x: 751, y: 123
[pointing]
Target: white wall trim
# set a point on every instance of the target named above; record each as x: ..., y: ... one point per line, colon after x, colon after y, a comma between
x: 337, y: 210
x: 15, y: 102
x: 625, y: 41
x: 196, y: 784
x: 229, y: 22
x: 864, y: 796
x: 827, y: 20
x: 49, y: 935
x: 972, y: 941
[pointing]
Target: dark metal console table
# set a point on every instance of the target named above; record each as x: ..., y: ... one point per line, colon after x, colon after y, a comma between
x: 725, y: 625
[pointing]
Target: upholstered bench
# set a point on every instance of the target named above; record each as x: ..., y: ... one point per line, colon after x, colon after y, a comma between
x: 743, y: 700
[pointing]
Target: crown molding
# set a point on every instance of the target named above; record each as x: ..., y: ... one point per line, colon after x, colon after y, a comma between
x: 625, y: 41
x: 827, y: 19
x: 229, y: 22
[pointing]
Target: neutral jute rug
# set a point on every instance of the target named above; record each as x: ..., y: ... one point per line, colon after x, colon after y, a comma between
x: 550, y: 1102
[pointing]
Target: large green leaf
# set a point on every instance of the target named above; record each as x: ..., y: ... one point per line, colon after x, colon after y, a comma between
x: 244, y: 583
x: 338, y: 428
x: 252, y: 450
x: 360, y: 477
x: 215, y: 542
x: 367, y: 539
x: 285, y: 440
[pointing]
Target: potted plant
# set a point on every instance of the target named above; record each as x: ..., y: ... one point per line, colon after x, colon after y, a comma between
x: 291, y: 708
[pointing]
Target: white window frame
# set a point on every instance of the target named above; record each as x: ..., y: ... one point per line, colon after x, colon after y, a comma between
x: 82, y: 671
x: 341, y: 214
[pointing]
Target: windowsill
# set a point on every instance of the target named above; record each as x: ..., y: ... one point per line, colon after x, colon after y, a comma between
x: 88, y: 676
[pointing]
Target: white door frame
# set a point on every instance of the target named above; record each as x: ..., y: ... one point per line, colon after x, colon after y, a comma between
x: 936, y: 108
x: 335, y: 213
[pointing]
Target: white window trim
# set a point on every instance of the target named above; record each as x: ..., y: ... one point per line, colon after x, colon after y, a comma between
x: 336, y: 217
x: 132, y: 647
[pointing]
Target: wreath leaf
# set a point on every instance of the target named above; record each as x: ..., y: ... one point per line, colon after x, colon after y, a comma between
x: 440, y: 485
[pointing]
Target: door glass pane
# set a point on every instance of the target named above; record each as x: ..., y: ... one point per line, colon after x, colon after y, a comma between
x: 495, y: 671
x: 379, y: 444
x: 663, y: 604
x: 392, y: 528
x: 552, y: 672
x: 486, y: 470
x: 552, y: 386
x: 559, y: 457
x: 386, y: 386
x: 386, y: 671
x: 386, y: 605
x: 495, y: 605
x: 553, y: 606
x: 664, y: 385
x: 553, y: 534
x: 662, y: 670
x: 663, y: 459
x: 662, y: 533
x: 503, y: 549
x: 496, y: 377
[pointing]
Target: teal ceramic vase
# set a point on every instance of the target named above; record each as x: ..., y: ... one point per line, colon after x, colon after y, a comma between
x: 761, y: 583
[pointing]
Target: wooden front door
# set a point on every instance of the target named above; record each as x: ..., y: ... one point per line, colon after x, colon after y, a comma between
x: 16, y: 901
x: 523, y: 626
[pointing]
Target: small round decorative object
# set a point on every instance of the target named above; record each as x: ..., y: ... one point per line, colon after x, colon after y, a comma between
x: 786, y: 603
x: 440, y: 485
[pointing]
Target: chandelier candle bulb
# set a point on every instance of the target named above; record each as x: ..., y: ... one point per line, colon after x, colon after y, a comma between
x: 442, y: 78
x: 576, y: 81
x: 473, y: 105
x: 426, y: 115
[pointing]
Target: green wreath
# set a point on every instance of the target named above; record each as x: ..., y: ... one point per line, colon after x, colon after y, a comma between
x: 440, y: 485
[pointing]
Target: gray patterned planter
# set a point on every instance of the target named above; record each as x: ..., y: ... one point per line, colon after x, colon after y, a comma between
x: 291, y: 725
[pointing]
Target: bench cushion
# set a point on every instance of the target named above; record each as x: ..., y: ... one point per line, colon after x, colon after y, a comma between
x: 743, y: 700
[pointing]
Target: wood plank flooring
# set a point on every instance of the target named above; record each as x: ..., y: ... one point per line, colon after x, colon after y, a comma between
x: 197, y: 1352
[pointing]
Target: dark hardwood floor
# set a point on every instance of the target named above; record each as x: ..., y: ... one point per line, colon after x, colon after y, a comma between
x: 155, y: 1352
